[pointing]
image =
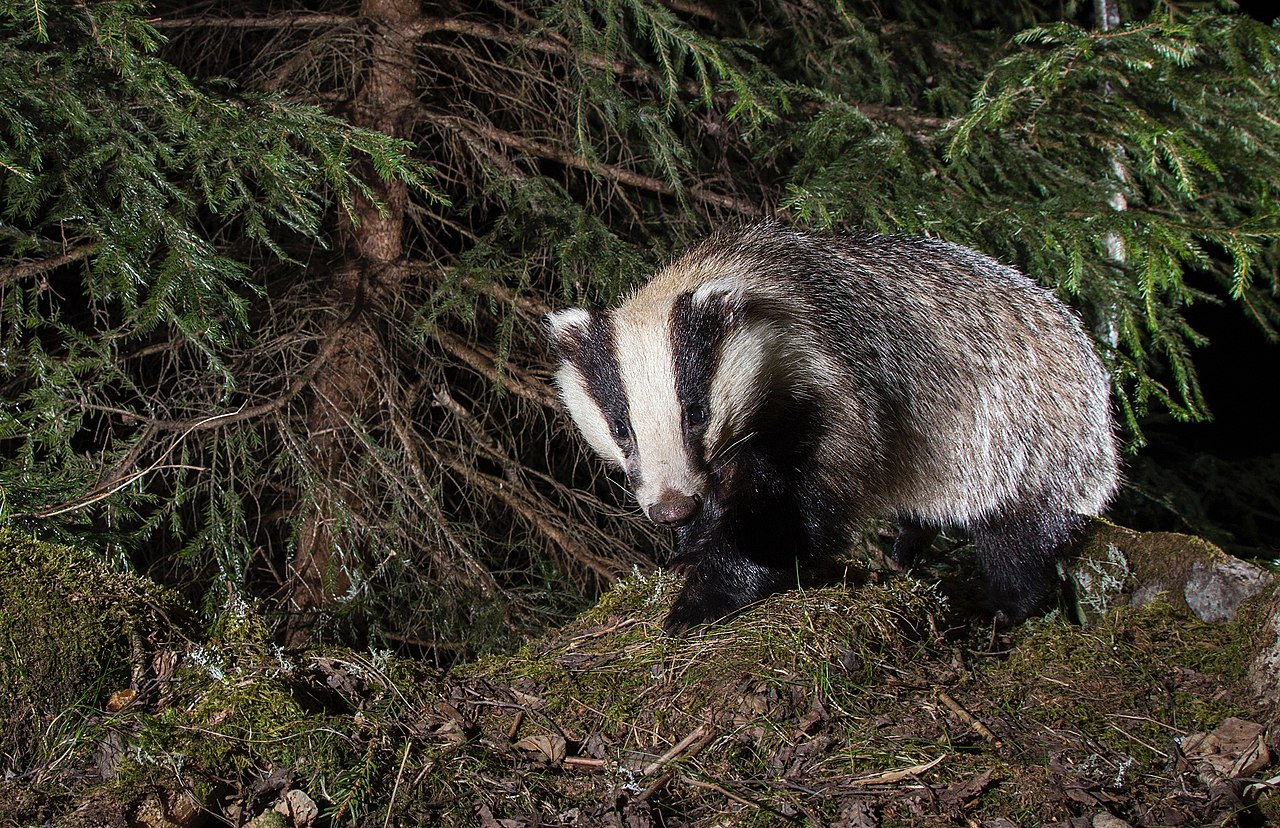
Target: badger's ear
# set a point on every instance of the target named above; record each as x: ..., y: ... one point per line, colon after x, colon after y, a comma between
x: 567, y: 327
x: 725, y: 298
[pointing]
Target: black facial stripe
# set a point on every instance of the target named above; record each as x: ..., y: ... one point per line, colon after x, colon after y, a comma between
x: 697, y: 332
x: 592, y: 351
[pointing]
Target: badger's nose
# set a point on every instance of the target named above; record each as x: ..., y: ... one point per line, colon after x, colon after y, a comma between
x: 674, y: 509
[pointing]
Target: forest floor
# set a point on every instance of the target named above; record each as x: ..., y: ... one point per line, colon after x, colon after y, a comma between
x: 883, y: 704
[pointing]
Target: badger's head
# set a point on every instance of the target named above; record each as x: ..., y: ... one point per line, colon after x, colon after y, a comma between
x: 666, y: 387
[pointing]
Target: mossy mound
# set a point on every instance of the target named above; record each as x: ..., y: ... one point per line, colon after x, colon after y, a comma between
x: 72, y: 632
x: 842, y: 706
x: 845, y: 707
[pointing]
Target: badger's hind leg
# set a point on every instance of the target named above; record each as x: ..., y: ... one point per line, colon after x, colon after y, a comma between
x: 1019, y: 552
x: 913, y: 538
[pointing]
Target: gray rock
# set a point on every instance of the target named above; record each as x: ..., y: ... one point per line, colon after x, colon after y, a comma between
x: 1214, y: 591
x: 1106, y: 820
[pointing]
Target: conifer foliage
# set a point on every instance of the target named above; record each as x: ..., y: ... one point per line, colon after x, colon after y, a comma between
x: 277, y: 335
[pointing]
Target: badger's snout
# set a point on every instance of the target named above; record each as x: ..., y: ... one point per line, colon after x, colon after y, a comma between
x: 675, y: 509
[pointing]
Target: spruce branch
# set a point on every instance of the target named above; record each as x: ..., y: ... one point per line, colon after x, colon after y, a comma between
x: 27, y: 269
x: 613, y: 173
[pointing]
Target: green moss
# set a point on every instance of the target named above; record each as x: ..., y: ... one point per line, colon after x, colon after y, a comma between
x: 1269, y: 807
x: 614, y: 661
x: 804, y: 707
x: 1130, y: 683
x: 72, y: 631
x: 336, y: 720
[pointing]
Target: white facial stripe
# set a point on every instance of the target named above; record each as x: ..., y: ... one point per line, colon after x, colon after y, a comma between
x: 739, y: 382
x: 647, y: 369
x: 562, y: 322
x: 586, y: 414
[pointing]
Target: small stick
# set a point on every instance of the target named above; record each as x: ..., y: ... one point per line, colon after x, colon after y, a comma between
x: 966, y: 717
x: 680, y: 746
x: 655, y: 786
x: 711, y: 786
x: 584, y: 762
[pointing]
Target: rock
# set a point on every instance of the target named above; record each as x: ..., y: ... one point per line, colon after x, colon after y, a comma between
x: 299, y: 807
x: 168, y: 809
x: 1215, y: 590
x: 1265, y: 670
x: 268, y: 819
x: 1114, y: 566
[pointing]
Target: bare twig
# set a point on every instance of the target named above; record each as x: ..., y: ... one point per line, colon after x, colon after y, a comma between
x: 741, y: 800
x: 482, y: 578
x: 584, y: 762
x: 679, y: 747
x: 518, y: 502
x: 243, y: 413
x: 968, y: 718
x: 608, y: 171
x: 28, y: 269
x: 483, y: 363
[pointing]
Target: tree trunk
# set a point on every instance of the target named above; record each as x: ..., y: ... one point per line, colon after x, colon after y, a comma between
x: 346, y: 389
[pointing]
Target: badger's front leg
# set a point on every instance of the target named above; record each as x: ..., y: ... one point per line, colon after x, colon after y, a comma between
x: 1019, y: 551
x: 732, y: 558
x: 720, y: 583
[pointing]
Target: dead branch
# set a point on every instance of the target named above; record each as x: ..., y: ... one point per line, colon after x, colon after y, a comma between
x: 480, y: 576
x: 477, y: 432
x: 230, y: 418
x: 695, y: 10
x: 519, y: 503
x: 578, y: 162
x: 968, y: 718
x: 699, y: 734
x: 26, y: 270
x: 419, y: 29
x: 483, y: 363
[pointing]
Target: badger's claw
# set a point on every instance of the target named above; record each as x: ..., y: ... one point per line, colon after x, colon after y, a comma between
x: 692, y: 609
x: 717, y: 587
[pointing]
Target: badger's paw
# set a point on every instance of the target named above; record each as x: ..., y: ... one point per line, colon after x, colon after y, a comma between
x: 695, y: 607
x: 715, y: 589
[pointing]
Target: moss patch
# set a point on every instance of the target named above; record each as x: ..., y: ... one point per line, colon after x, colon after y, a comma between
x: 879, y: 704
x: 72, y: 631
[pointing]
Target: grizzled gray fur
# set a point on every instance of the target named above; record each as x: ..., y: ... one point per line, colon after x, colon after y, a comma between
x: 771, y: 389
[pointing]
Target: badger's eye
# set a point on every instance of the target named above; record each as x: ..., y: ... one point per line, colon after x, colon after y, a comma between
x: 696, y: 414
x: 621, y: 429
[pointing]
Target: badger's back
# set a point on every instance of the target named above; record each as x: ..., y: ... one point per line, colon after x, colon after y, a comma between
x: 945, y: 387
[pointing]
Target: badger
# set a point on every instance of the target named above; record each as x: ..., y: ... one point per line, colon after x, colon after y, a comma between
x: 771, y: 390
